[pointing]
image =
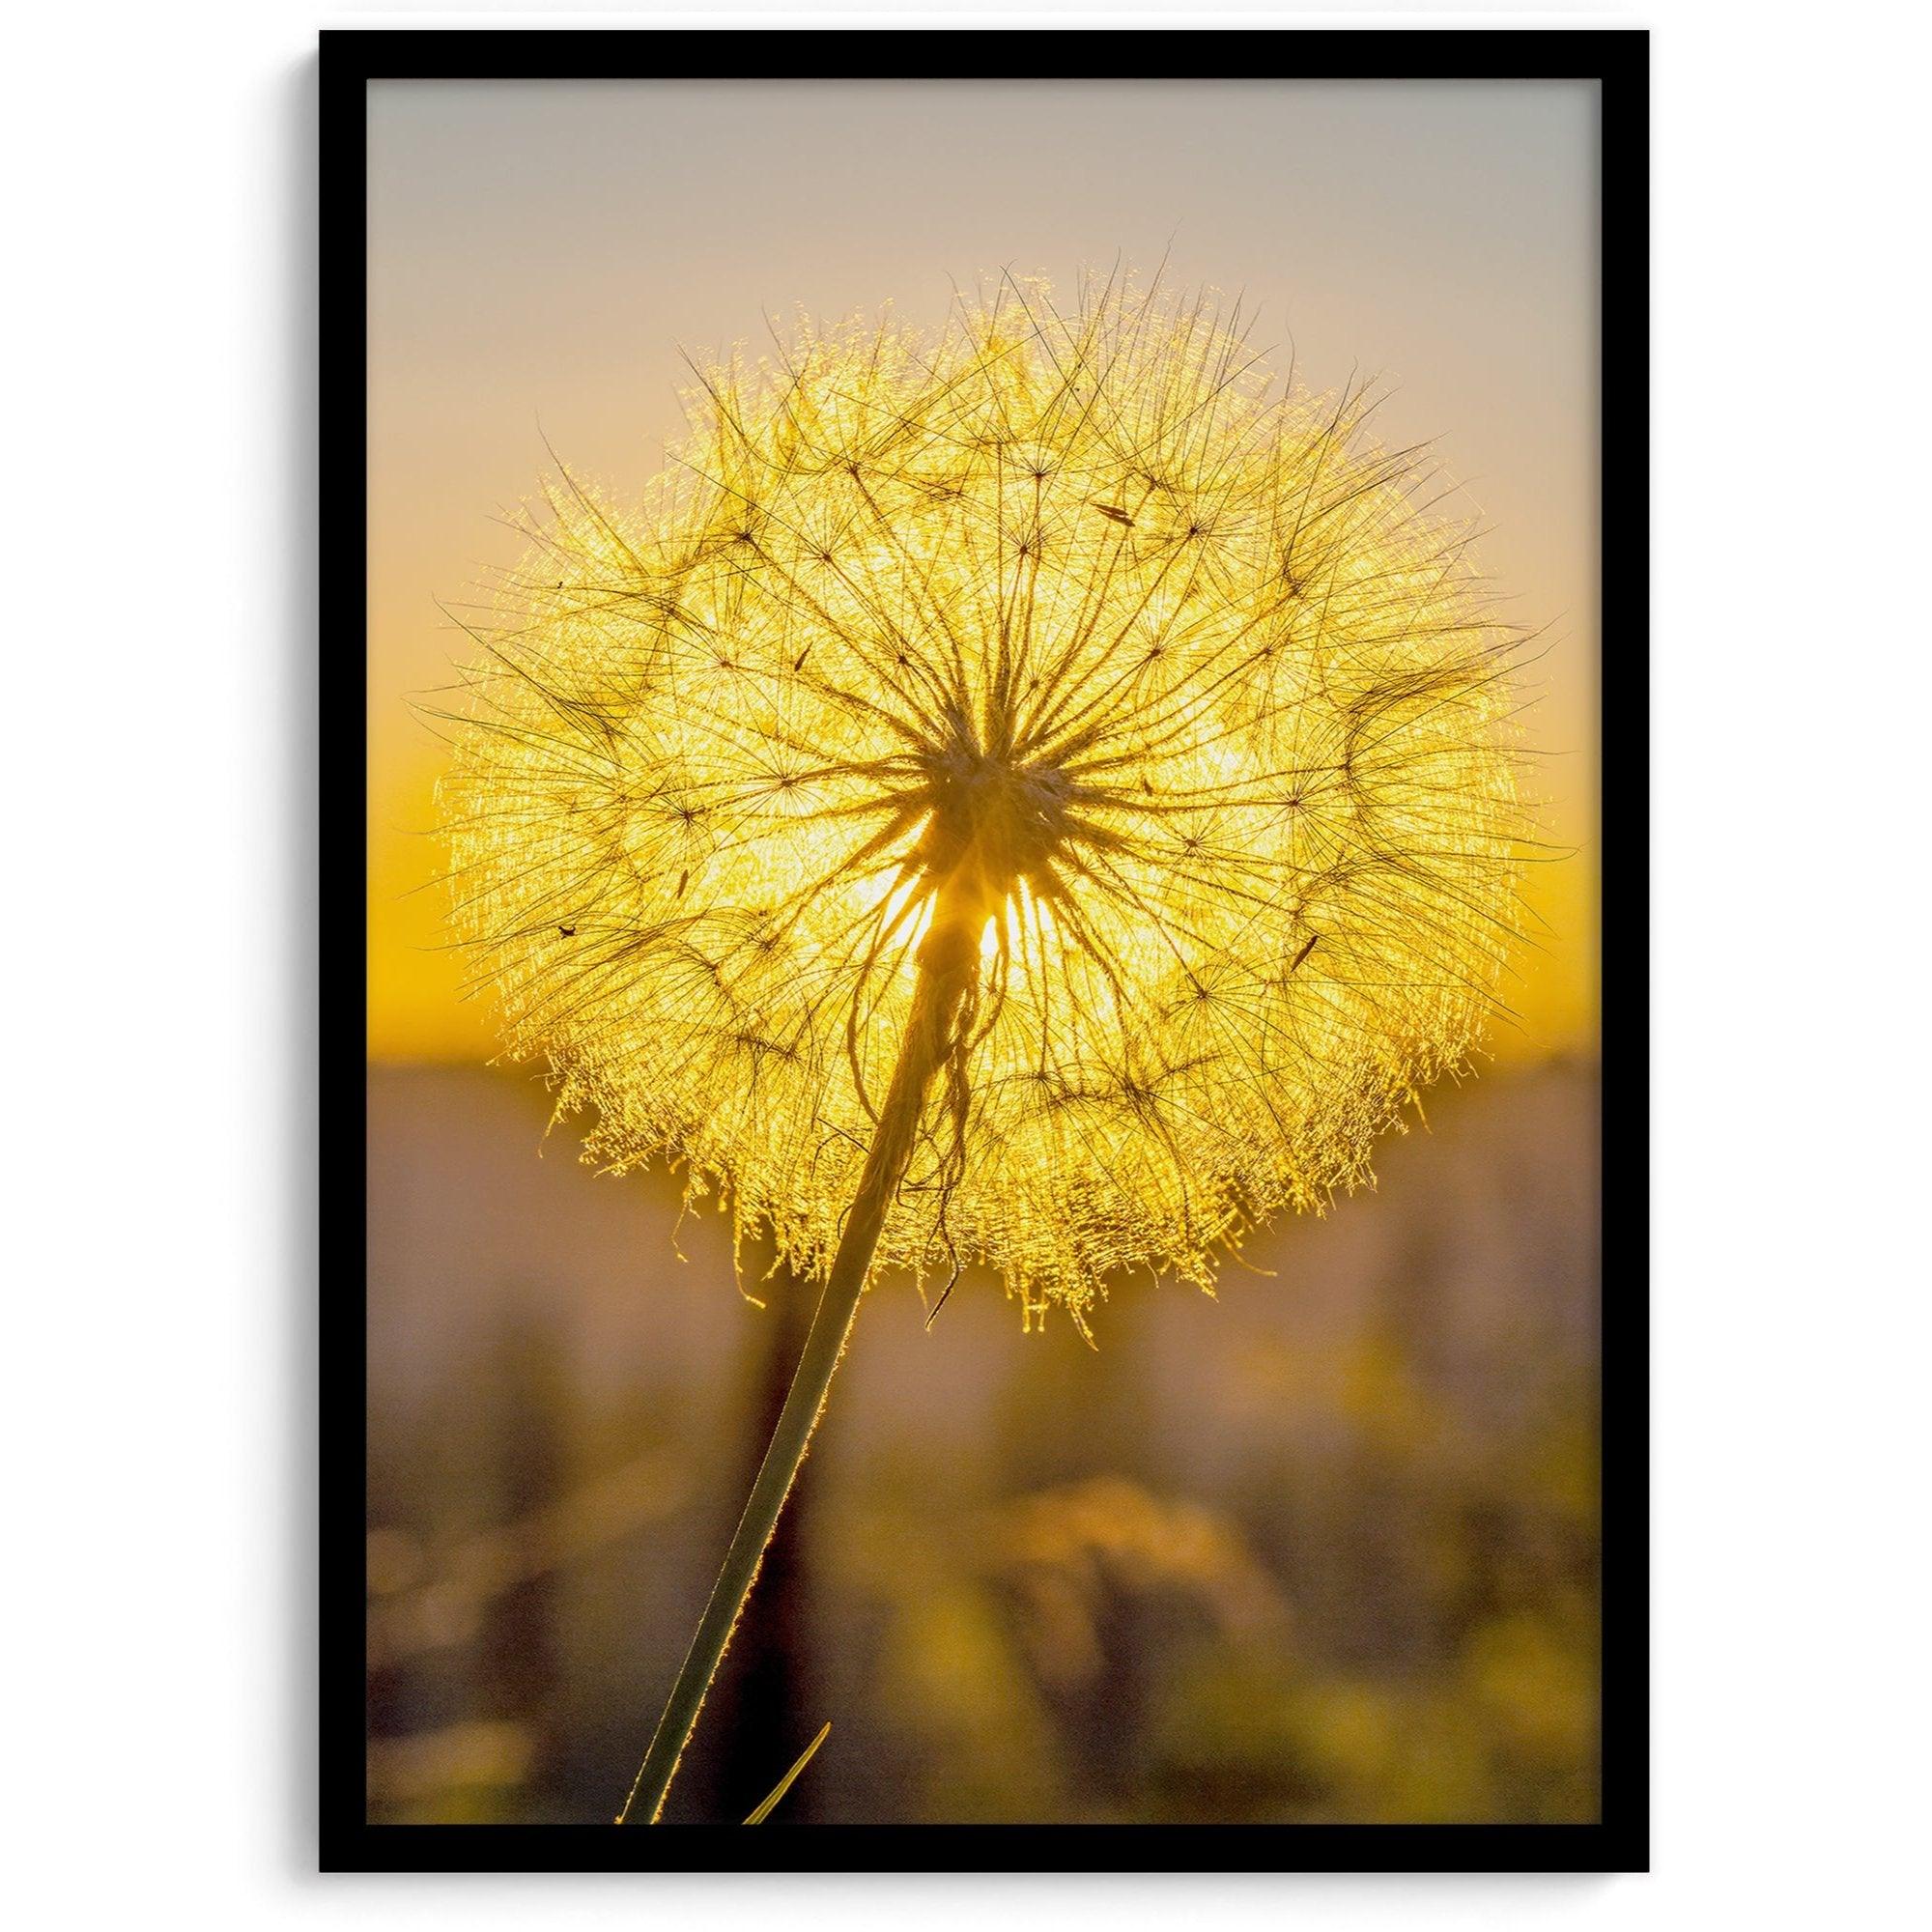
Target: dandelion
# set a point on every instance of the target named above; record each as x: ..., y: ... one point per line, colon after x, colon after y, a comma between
x: 1037, y: 795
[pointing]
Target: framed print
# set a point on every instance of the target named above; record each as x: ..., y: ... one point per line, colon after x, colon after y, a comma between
x: 988, y: 1073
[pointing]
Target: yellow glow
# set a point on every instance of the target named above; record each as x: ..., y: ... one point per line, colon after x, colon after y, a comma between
x: 1175, y: 670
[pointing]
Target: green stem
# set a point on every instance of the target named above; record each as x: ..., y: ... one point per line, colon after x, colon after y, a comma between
x: 942, y: 983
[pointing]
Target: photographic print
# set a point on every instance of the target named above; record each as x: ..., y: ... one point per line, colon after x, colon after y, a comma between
x: 989, y: 1063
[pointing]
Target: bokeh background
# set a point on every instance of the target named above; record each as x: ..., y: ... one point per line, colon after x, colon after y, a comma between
x: 1324, y: 1547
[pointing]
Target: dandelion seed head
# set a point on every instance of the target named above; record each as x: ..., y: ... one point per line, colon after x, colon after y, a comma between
x: 1172, y: 683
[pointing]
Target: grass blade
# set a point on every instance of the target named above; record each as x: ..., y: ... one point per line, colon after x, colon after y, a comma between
x: 786, y: 1783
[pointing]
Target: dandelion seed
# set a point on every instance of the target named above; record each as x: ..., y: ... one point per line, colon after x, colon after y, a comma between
x: 869, y: 643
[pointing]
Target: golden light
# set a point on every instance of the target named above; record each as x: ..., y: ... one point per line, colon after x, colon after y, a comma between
x: 1151, y: 719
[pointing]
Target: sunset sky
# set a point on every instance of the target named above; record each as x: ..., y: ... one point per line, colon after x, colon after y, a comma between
x: 543, y: 254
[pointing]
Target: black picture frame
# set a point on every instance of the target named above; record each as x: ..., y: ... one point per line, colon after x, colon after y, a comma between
x: 1619, y: 60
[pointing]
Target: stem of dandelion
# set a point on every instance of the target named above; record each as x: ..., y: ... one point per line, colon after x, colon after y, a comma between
x: 943, y: 978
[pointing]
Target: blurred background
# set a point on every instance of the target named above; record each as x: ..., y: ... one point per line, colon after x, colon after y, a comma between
x: 1322, y: 1548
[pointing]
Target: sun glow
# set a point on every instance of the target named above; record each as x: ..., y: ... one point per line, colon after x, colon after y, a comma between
x: 1172, y: 689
